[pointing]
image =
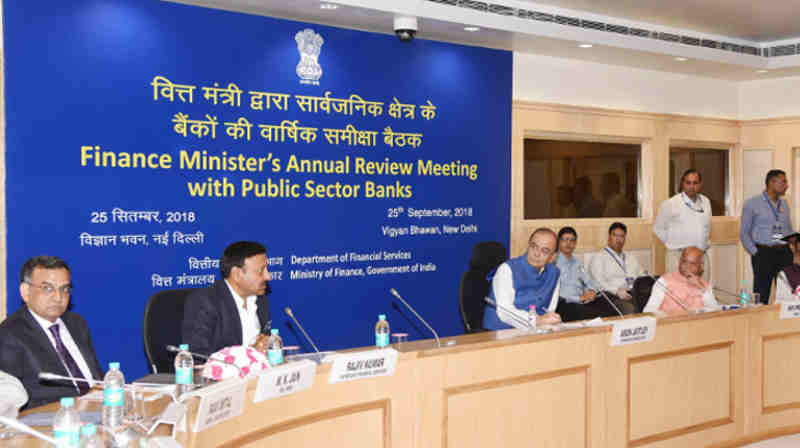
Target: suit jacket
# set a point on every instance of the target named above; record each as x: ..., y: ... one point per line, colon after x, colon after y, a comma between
x: 211, y: 320
x: 26, y: 350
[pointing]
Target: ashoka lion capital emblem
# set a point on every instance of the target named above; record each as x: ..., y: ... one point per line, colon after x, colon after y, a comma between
x: 309, y: 45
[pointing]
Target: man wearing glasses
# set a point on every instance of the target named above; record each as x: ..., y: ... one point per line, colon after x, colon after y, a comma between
x: 525, y: 281
x: 42, y: 336
x: 615, y: 271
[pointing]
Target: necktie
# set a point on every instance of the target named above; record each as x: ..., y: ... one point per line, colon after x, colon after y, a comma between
x: 68, y: 360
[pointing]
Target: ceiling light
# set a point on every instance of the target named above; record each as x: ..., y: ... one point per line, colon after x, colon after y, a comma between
x: 471, y: 29
x: 762, y: 71
x: 585, y: 45
x: 326, y: 5
x: 681, y: 59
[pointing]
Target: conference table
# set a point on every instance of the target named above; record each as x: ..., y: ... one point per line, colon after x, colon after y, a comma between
x: 718, y: 379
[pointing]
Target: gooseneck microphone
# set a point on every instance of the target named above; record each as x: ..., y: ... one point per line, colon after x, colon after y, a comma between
x: 513, y: 316
x: 173, y: 349
x: 21, y: 427
x: 669, y: 294
x: 603, y: 294
x: 308, y: 338
x: 49, y: 376
x: 397, y: 296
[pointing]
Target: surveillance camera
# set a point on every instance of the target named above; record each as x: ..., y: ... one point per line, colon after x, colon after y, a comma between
x: 405, y: 27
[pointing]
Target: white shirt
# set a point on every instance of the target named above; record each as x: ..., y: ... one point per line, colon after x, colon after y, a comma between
x: 610, y: 270
x: 68, y: 342
x: 250, y: 324
x: 12, y: 395
x: 660, y: 291
x: 683, y: 223
x: 504, y: 293
x: 783, y: 292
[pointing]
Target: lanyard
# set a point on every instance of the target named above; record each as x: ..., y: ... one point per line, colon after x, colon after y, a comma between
x: 772, y: 207
x: 689, y: 204
x: 621, y: 264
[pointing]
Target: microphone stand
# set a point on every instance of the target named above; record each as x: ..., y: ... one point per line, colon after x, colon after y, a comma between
x: 308, y: 338
x: 513, y: 316
x: 435, y: 335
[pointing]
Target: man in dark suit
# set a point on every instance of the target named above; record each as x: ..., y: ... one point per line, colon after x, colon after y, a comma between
x: 42, y: 336
x: 234, y: 310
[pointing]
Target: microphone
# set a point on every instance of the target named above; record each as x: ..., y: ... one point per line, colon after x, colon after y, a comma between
x: 48, y: 376
x: 173, y: 349
x: 435, y: 335
x: 715, y: 288
x: 19, y: 426
x: 516, y: 318
x: 603, y: 294
x: 670, y: 294
x: 308, y: 338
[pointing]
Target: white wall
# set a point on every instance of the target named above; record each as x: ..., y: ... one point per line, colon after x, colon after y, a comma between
x: 769, y: 98
x: 564, y: 81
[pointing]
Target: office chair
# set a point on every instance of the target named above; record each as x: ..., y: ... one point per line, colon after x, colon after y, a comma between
x: 474, y: 287
x: 642, y: 287
x: 163, y: 318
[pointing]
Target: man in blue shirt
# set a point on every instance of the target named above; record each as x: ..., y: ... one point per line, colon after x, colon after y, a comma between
x: 765, y: 221
x: 578, y: 290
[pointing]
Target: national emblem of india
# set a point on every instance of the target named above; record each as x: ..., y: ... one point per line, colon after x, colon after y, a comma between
x: 309, y: 44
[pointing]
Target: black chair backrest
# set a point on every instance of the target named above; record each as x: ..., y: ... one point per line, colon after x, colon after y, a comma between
x: 163, y: 319
x: 642, y: 287
x: 474, y: 287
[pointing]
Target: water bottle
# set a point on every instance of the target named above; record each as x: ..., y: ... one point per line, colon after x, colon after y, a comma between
x: 184, y: 371
x: 274, y: 348
x: 382, y: 332
x: 90, y: 438
x: 744, y: 297
x: 67, y: 424
x: 532, y: 317
x: 113, y: 397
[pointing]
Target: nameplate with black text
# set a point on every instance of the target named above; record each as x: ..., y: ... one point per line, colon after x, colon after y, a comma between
x: 790, y: 310
x: 285, y: 380
x: 361, y: 365
x: 219, y: 402
x: 633, y: 331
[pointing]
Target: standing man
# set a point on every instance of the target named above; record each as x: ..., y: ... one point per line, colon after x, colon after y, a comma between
x: 234, y: 310
x: 42, y: 336
x: 525, y: 281
x: 615, y: 270
x: 684, y: 220
x: 765, y: 221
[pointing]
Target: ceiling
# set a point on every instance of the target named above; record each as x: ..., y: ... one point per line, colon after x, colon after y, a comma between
x: 740, y: 22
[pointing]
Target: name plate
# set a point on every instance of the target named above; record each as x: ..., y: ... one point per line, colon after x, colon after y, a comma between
x: 220, y: 402
x: 285, y: 380
x: 790, y: 310
x: 633, y: 331
x: 361, y: 365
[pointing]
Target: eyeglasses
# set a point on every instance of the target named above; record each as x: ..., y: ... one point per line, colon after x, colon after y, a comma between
x: 540, y: 250
x: 49, y: 289
x: 568, y: 239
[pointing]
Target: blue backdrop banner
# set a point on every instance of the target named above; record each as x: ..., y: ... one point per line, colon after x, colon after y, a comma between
x: 143, y: 137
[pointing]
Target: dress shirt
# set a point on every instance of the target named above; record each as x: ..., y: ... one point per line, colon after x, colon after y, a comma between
x: 610, y: 270
x: 683, y: 223
x: 574, y: 280
x: 504, y: 292
x: 758, y: 219
x: 67, y: 340
x: 659, y: 292
x: 250, y: 323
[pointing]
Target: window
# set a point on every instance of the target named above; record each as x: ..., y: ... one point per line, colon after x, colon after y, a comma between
x: 713, y: 167
x: 579, y: 179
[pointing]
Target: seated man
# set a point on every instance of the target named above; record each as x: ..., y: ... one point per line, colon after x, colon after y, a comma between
x: 789, y: 277
x: 577, y: 289
x: 523, y: 281
x: 685, y: 290
x: 234, y: 310
x: 42, y: 336
x: 615, y: 271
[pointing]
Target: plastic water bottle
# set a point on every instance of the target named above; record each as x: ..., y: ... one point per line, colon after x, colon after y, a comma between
x: 382, y: 331
x: 113, y: 397
x: 90, y: 438
x: 67, y: 424
x: 184, y: 371
x: 274, y: 348
x: 532, y: 317
x: 744, y: 297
